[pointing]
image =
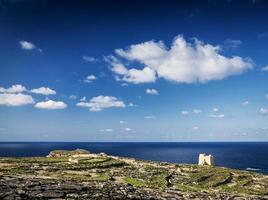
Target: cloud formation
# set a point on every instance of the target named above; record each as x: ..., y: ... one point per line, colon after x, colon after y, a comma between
x: 19, y: 99
x: 13, y: 89
x: 73, y: 96
x: 152, y: 91
x: 232, y: 44
x: 26, y: 45
x: 101, y: 102
x: 51, y: 105
x: 194, y: 111
x: 107, y: 130
x: 245, y: 103
x: 43, y: 91
x: 265, y: 68
x: 263, y: 111
x: 183, y: 62
x: 185, y: 112
x: 89, y: 59
x: 215, y: 109
x: 197, y: 111
x: 216, y: 115
x: 90, y: 78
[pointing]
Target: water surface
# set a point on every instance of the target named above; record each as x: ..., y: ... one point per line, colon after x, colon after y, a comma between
x: 239, y: 155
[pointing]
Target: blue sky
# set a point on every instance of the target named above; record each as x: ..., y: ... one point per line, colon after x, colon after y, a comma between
x: 125, y: 71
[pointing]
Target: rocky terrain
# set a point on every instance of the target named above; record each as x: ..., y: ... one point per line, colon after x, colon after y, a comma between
x: 81, y: 175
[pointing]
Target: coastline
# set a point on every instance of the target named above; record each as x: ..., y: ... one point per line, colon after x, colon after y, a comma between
x: 82, y: 175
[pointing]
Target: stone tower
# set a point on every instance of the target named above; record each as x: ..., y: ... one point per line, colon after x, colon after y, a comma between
x: 206, y: 159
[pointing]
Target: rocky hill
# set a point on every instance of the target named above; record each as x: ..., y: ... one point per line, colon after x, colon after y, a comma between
x: 81, y: 175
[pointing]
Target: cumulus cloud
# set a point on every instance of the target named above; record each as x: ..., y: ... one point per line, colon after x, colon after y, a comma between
x: 51, y: 105
x: 136, y: 76
x: 263, y: 111
x: 19, y: 99
x: 152, y: 91
x: 128, y: 129
x: 26, y: 45
x: 232, y: 44
x: 122, y: 122
x: 183, y: 62
x: 90, y: 78
x: 216, y: 115
x: 265, y: 68
x: 101, y: 102
x: 43, y: 91
x: 89, y: 59
x: 13, y: 89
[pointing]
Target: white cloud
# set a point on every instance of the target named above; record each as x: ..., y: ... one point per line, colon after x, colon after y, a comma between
x: 263, y: 111
x: 152, y: 91
x: 101, y: 102
x: 122, y: 122
x: 107, y: 130
x: 150, y: 117
x: 90, y: 78
x: 73, y: 97
x: 132, y: 105
x: 43, y: 91
x: 89, y: 59
x: 232, y: 44
x: 194, y: 111
x: 215, y: 109
x: 128, y: 129
x: 26, y: 45
x: 15, y: 99
x: 245, y: 103
x: 83, y: 98
x: 183, y: 62
x: 51, y: 105
x: 265, y: 68
x: 136, y: 76
x: 216, y: 116
x: 124, y: 84
x: 13, y: 89
x: 197, y: 111
x: 185, y: 112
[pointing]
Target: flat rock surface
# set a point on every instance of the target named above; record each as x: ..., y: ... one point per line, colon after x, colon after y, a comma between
x: 81, y: 175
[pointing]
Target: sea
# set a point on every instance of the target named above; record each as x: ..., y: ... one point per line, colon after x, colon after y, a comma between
x: 251, y: 156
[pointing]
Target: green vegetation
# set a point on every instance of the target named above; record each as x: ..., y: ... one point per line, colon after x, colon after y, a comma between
x: 140, y: 174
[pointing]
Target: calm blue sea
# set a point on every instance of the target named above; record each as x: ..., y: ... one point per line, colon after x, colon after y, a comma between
x: 240, y: 155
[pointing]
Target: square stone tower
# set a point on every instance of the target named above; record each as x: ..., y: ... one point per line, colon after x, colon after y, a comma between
x: 206, y: 159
